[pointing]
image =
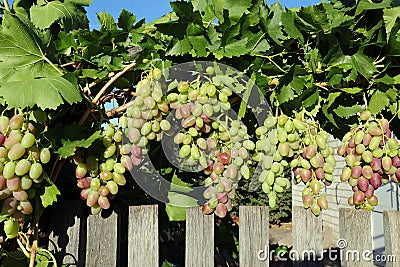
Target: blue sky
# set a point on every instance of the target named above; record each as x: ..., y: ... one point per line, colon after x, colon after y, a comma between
x: 153, y: 9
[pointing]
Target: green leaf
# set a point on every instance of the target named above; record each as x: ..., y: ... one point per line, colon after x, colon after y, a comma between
x: 20, y: 47
x: 274, y: 26
x: 243, y: 104
x: 106, y: 21
x: 42, y: 16
x: 347, y: 112
x: 285, y: 94
x: 363, y: 64
x: 237, y: 8
x: 28, y: 76
x: 378, y: 102
x: 176, y: 208
x: 290, y: 27
x: 390, y: 16
x: 50, y: 195
x: 126, y: 20
x: 180, y: 48
x: 237, y: 48
x: 68, y: 148
x: 199, y: 44
x: 325, y: 108
x: 368, y: 5
x: 352, y: 90
x: 46, y: 93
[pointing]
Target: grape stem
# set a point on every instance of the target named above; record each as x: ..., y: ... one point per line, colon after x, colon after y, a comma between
x: 394, y: 116
x: 6, y: 5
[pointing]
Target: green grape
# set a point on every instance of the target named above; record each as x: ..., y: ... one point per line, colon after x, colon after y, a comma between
x: 113, y: 187
x: 195, y: 153
x: 22, y: 167
x: 28, y: 140
x: 45, y: 155
x: 187, y: 139
x: 184, y: 152
x: 110, y: 151
x: 9, y: 170
x: 36, y: 171
x: 193, y: 132
x: 106, y: 175
x: 26, y: 183
x: 119, y: 178
x: 16, y: 152
x: 95, y: 209
x: 80, y: 171
x: 134, y: 135
x: 110, y: 164
x: 165, y: 125
x: 4, y: 122
x: 11, y: 228
x: 95, y: 184
x: 119, y: 168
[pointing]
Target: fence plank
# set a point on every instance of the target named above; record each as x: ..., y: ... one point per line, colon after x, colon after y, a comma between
x: 101, y: 249
x: 68, y: 236
x: 391, y: 222
x: 307, y: 238
x: 253, y: 236
x: 199, y: 238
x: 143, y: 245
x: 355, y: 237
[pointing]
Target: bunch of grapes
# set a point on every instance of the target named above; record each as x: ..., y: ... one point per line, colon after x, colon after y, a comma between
x: 300, y: 144
x: 194, y: 115
x: 372, y: 159
x: 100, y: 169
x: 21, y: 160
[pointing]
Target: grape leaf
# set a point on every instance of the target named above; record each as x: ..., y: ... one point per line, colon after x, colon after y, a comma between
x: 106, y: 21
x: 347, y: 112
x: 126, y: 20
x: 367, y: 5
x: 42, y: 16
x: 68, y: 148
x: 378, y: 102
x: 390, y: 16
x: 28, y: 76
x: 46, y: 93
x: 274, y: 27
x: 237, y: 8
x: 290, y: 26
x: 285, y: 94
x: 50, y: 195
x: 180, y: 48
x: 363, y: 64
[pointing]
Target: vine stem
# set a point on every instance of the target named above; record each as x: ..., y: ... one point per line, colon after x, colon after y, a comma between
x: 111, y: 113
x: 6, y: 5
x: 104, y: 89
x: 394, y: 116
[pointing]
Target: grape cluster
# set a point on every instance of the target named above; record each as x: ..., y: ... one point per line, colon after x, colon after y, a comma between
x: 100, y: 169
x: 372, y: 159
x: 299, y: 144
x: 195, y: 116
x: 21, y: 160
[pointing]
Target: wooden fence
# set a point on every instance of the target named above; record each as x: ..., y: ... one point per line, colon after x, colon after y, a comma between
x: 91, y: 241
